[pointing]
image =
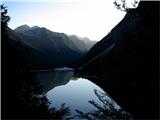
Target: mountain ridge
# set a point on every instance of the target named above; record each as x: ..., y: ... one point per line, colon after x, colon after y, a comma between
x: 58, y: 47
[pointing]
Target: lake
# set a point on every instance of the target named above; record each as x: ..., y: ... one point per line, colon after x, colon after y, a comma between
x: 77, y: 93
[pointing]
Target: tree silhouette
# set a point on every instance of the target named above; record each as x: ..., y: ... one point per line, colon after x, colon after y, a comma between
x: 123, y: 6
x: 4, y: 17
x: 106, y: 111
x: 62, y: 113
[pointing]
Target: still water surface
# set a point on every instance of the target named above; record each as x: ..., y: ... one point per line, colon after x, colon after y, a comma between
x: 63, y: 87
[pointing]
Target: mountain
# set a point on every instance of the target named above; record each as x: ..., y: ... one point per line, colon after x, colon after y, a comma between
x: 82, y: 43
x: 22, y: 28
x: 52, y: 48
x: 15, y: 41
x: 128, y: 58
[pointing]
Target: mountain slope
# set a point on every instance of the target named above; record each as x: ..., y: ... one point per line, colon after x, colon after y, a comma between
x: 131, y: 65
x: 51, y: 48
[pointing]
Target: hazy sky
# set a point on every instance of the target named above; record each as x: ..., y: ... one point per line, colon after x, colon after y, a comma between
x: 85, y: 18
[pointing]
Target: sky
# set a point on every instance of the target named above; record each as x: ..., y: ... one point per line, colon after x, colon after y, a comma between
x: 86, y: 18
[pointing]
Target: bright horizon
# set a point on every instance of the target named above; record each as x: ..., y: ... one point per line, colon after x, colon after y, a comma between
x: 85, y: 18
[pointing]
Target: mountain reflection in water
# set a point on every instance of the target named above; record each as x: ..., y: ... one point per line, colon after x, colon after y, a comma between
x: 62, y: 87
x: 54, y: 78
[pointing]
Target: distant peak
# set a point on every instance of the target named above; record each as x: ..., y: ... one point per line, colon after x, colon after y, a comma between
x: 25, y: 25
x: 22, y: 28
x: 34, y: 27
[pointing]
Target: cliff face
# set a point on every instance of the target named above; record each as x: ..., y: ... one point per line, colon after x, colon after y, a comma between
x: 131, y: 65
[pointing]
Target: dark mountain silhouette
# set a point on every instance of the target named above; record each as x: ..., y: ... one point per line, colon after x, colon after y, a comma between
x: 20, y: 87
x: 128, y: 58
x: 52, y: 48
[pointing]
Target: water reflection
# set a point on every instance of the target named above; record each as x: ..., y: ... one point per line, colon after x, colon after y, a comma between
x: 54, y: 78
x: 77, y: 93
